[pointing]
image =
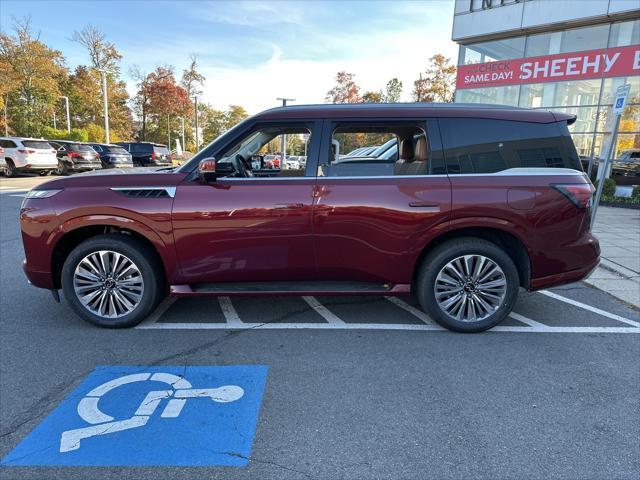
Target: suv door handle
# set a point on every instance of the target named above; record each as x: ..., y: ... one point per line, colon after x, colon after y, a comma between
x: 289, y: 205
x: 430, y: 207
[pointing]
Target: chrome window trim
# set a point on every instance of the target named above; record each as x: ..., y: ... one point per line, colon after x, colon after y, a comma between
x: 171, y: 191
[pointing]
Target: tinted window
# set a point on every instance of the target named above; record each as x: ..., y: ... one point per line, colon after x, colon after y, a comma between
x: 161, y: 150
x: 115, y: 149
x: 76, y: 147
x: 97, y: 148
x: 8, y: 144
x: 488, y: 146
x: 140, y: 148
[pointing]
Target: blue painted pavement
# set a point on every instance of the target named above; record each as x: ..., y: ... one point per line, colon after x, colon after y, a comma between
x: 151, y: 416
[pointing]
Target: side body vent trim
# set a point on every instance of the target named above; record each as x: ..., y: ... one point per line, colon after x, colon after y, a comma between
x: 146, y: 192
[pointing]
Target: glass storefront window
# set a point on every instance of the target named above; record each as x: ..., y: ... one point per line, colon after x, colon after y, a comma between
x: 573, y: 40
x: 585, y: 118
x: 491, y: 51
x: 499, y: 95
x: 537, y: 95
x: 627, y: 142
x: 624, y: 34
x: 584, y: 143
x: 580, y: 92
x: 610, y: 85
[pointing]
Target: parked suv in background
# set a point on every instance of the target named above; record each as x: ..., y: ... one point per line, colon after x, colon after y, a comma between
x: 75, y: 157
x: 112, y: 156
x: 27, y: 155
x: 480, y: 202
x: 147, y: 154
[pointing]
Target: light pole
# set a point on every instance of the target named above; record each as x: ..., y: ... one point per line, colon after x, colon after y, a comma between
x: 195, y: 106
x: 6, y: 123
x: 66, y: 101
x: 106, y: 103
x: 184, y: 146
x: 284, y: 136
x: 169, y: 130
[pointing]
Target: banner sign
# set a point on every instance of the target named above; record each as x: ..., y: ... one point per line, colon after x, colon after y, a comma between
x: 610, y: 62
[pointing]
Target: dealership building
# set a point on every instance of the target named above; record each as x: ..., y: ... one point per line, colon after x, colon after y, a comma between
x: 564, y: 55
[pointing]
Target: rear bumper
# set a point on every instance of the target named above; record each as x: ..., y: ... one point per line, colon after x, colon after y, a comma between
x: 82, y: 167
x: 37, y: 167
x: 565, y: 277
x: 37, y: 278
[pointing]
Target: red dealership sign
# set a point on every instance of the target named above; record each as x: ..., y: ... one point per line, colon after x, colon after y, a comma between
x: 611, y: 62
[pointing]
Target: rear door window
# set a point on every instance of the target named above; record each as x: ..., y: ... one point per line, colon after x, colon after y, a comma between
x: 412, y: 158
x: 140, y: 148
x: 115, y: 150
x: 489, y: 146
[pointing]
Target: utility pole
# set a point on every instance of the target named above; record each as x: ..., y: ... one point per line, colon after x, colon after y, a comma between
x: 6, y: 123
x: 184, y: 146
x: 169, y: 130
x: 284, y: 137
x: 106, y: 104
x: 66, y: 101
x: 195, y: 102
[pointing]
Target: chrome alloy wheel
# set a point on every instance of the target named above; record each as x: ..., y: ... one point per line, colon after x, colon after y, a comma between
x: 470, y: 288
x: 108, y: 284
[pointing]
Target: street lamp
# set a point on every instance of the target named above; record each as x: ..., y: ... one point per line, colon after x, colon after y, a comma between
x: 284, y: 136
x: 66, y: 101
x: 195, y: 106
x: 104, y: 72
x: 184, y: 146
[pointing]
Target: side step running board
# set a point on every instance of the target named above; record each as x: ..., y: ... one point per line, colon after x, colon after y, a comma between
x: 288, y: 288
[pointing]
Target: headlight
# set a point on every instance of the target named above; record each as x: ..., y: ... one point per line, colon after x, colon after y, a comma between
x: 41, y: 193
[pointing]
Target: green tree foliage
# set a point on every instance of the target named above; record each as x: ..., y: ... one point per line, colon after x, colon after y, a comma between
x: 76, y: 134
x: 31, y: 73
x: 393, y: 91
x: 372, y: 97
x: 215, y: 122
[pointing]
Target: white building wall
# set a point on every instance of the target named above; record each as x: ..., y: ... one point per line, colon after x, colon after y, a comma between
x: 500, y: 18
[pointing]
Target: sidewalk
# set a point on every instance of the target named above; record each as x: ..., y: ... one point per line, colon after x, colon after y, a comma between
x: 618, y: 230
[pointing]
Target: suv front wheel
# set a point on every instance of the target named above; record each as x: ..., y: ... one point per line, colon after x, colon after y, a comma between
x: 112, y: 281
x: 468, y: 284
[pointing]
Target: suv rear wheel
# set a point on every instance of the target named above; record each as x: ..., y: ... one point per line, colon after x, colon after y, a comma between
x: 10, y: 169
x: 111, y: 281
x: 468, y: 284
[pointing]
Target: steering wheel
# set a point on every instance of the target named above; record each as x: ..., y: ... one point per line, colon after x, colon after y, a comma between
x: 243, y: 168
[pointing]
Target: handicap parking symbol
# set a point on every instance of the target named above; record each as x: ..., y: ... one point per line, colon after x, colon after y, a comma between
x: 151, y: 416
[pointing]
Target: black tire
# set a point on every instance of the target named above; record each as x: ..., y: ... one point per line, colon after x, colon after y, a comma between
x: 44, y: 173
x: 63, y: 168
x: 137, y: 164
x: 144, y: 259
x: 10, y: 169
x: 436, y: 260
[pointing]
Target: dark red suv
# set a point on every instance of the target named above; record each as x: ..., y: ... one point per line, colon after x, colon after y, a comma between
x: 478, y: 202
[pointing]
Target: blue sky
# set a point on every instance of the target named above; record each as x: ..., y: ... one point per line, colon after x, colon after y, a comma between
x: 253, y: 51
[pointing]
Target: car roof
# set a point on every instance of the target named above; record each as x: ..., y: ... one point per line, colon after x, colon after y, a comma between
x: 24, y: 138
x: 414, y: 110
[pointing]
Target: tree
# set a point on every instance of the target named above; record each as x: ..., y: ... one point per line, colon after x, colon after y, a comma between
x: 393, y: 91
x: 438, y: 84
x: 191, y: 78
x: 216, y: 122
x: 84, y: 86
x: 372, y: 97
x: 104, y: 54
x: 31, y: 73
x: 160, y: 100
x: 345, y: 91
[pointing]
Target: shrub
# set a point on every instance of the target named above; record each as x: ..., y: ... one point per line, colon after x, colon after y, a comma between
x: 609, y: 187
x: 635, y: 193
x: 76, y: 134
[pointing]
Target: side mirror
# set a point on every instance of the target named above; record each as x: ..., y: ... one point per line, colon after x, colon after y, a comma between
x: 209, y: 170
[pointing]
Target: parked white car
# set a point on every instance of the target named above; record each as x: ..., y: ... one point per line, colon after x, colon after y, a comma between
x: 28, y: 155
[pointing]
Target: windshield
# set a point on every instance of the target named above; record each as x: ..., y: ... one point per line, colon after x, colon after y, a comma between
x: 76, y: 147
x: 36, y: 144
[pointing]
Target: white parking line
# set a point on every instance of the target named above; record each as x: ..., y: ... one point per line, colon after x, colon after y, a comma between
x: 229, y: 311
x: 323, y: 311
x: 411, y: 309
x: 372, y: 326
x: 527, y: 321
x: 158, y: 312
x: 590, y: 308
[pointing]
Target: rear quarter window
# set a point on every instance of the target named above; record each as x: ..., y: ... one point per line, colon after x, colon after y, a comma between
x: 36, y: 145
x: 489, y: 146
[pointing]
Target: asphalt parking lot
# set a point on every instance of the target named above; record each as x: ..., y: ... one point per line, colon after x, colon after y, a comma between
x: 353, y: 387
